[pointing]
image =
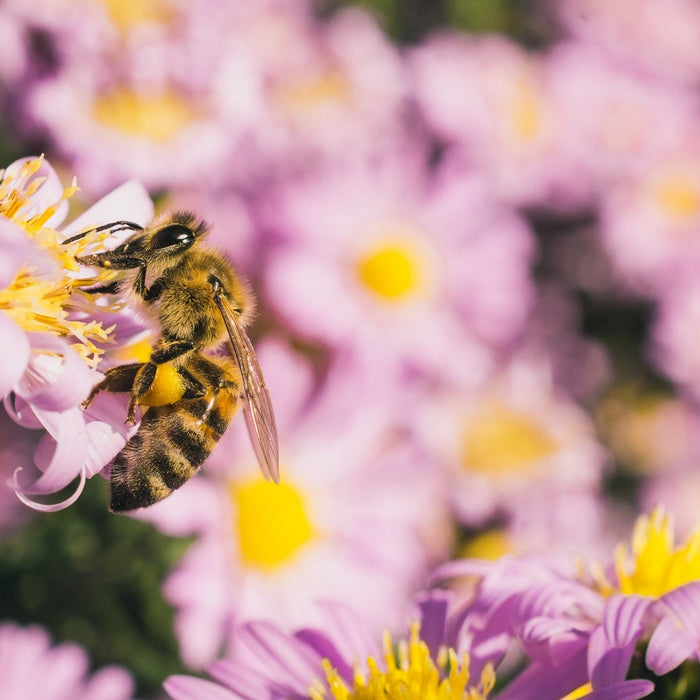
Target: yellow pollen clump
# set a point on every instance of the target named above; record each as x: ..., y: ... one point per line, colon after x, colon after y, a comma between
x: 127, y: 14
x: 159, y: 118
x: 272, y: 523
x: 391, y: 271
x: 498, y: 439
x: 679, y: 196
x: 413, y: 676
x: 41, y: 301
x: 653, y: 566
x: 167, y: 387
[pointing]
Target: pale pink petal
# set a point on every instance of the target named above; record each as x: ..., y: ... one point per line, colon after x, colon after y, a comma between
x: 16, y: 250
x: 111, y: 683
x: 16, y: 347
x: 129, y: 201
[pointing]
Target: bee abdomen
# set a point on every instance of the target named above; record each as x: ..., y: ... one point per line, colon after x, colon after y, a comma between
x: 171, y: 445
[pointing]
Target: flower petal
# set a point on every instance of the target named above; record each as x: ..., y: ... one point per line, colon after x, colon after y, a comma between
x: 677, y: 636
x: 48, y: 194
x: 129, y: 201
x: 15, y: 355
x: 627, y: 690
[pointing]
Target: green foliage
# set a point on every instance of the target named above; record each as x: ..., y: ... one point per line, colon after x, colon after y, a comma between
x: 95, y: 578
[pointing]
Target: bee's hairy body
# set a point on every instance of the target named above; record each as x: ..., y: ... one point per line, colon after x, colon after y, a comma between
x: 194, y: 301
x: 174, y: 439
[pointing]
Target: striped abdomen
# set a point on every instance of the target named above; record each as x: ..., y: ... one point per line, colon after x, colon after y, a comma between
x: 170, y: 446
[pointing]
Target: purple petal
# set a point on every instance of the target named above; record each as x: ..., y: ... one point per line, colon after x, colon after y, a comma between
x: 677, y: 636
x: 613, y: 642
x: 325, y: 648
x: 187, y: 688
x: 243, y: 681
x: 627, y: 690
x: 433, y: 606
x: 544, y: 682
x: 15, y: 356
x: 110, y: 683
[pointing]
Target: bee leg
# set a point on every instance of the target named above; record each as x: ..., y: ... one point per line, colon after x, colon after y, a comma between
x: 194, y: 389
x: 117, y: 379
x: 111, y: 288
x: 216, y: 375
x: 142, y: 383
x: 169, y: 351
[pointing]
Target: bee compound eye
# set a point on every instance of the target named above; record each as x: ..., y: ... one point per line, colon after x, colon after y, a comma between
x: 175, y: 234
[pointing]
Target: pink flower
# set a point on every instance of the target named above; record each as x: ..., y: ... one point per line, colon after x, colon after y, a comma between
x: 31, y: 668
x: 397, y: 264
x: 52, y: 349
x: 493, y: 101
x: 355, y: 517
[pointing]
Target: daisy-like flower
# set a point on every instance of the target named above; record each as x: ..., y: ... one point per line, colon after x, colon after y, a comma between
x: 30, y: 667
x: 510, y: 447
x: 52, y: 344
x: 492, y: 100
x: 398, y: 264
x: 661, y: 45
x: 356, y: 517
x: 589, y: 631
x: 339, y: 659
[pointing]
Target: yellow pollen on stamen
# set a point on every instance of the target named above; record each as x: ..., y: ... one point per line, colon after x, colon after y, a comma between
x: 156, y: 117
x: 40, y: 301
x: 499, y: 440
x: 411, y: 674
x: 272, y: 523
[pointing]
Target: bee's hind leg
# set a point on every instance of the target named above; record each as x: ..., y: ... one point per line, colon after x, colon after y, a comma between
x: 117, y: 379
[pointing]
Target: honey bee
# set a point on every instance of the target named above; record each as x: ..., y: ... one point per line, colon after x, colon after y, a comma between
x: 196, y: 302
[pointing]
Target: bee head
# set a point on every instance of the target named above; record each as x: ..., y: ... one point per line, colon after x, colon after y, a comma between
x: 161, y: 244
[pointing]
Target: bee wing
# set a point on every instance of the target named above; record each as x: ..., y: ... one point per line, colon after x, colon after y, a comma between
x: 259, y: 416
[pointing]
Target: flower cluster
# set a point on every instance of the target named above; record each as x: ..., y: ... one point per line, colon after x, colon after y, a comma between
x: 475, y: 260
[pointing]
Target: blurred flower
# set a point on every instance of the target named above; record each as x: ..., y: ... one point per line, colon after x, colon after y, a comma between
x: 674, y: 338
x: 306, y: 92
x: 513, y: 448
x: 661, y: 44
x: 52, y: 347
x: 31, y: 668
x: 594, y: 95
x: 356, y: 516
x: 492, y: 99
x: 649, y: 223
x: 339, y: 660
x: 398, y: 265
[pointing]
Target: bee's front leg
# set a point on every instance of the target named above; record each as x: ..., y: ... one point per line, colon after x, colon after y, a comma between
x: 116, y: 379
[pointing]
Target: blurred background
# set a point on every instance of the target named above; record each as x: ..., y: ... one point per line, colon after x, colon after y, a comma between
x: 473, y: 232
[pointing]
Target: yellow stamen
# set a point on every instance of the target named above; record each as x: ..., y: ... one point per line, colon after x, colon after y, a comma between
x: 41, y: 301
x: 411, y: 674
x: 313, y: 93
x: 678, y: 194
x: 272, y: 523
x: 127, y: 14
x: 525, y: 112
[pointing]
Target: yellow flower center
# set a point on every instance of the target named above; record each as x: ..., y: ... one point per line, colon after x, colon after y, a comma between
x: 272, y: 523
x: 155, y: 117
x: 678, y: 194
x: 653, y: 566
x: 396, y: 268
x: 127, y: 14
x: 580, y: 692
x: 525, y: 114
x: 41, y: 302
x: 313, y: 93
x: 413, y: 676
x: 498, y: 439
x: 488, y: 544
